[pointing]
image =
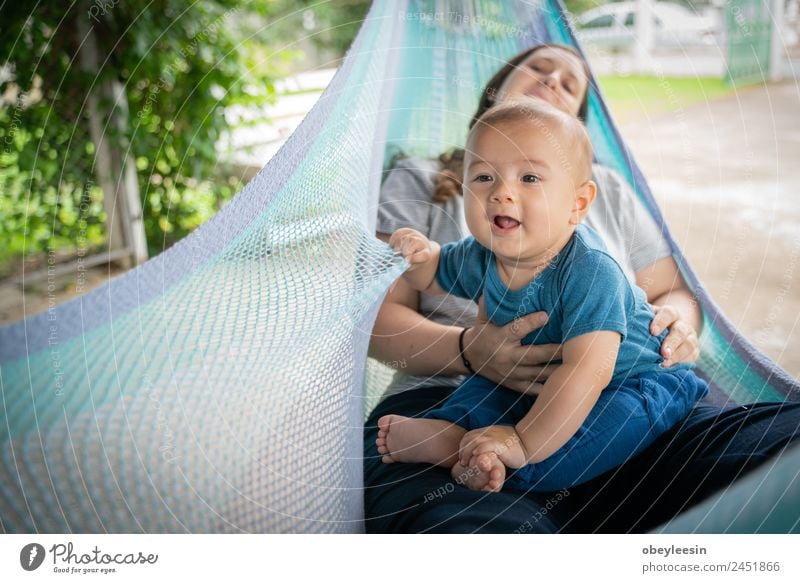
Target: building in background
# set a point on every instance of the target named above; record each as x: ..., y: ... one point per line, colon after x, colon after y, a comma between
x: 742, y: 40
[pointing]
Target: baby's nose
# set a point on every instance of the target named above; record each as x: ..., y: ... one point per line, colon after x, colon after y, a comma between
x: 504, y: 195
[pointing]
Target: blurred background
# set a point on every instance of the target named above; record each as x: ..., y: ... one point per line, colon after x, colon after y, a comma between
x: 126, y: 125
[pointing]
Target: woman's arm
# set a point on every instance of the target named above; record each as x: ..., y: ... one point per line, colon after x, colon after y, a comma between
x: 402, y: 335
x: 676, y: 308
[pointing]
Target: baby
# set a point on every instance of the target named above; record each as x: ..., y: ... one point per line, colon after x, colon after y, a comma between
x: 527, y: 187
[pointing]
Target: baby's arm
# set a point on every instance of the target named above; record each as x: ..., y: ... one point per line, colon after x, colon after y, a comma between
x: 569, y: 394
x: 561, y: 407
x: 423, y: 255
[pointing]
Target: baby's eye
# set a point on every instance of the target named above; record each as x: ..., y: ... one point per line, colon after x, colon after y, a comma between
x: 531, y: 178
x: 482, y: 178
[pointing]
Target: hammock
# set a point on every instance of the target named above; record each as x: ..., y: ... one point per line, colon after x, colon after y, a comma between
x: 220, y: 386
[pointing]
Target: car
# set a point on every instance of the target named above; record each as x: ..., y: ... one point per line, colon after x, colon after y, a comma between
x: 613, y: 26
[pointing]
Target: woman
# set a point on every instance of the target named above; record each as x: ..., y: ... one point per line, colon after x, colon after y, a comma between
x: 438, y: 342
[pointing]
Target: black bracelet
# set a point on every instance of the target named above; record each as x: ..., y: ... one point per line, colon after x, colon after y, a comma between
x: 466, y: 362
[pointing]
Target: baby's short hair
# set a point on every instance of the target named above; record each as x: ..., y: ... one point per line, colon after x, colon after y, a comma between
x: 576, y: 153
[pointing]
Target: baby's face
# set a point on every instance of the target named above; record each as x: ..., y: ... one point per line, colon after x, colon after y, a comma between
x: 520, y: 184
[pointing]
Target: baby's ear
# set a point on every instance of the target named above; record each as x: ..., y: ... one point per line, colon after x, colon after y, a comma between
x: 584, y: 197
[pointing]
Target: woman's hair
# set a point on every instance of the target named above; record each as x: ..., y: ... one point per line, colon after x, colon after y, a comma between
x: 448, y: 182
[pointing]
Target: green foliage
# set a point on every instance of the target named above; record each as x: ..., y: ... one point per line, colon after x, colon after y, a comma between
x: 578, y: 7
x: 632, y: 97
x: 337, y: 23
x: 181, y: 64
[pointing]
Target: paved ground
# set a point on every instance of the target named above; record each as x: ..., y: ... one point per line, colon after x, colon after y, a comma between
x: 726, y: 174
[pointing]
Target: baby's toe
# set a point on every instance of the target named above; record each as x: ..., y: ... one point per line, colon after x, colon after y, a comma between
x: 459, y: 473
x: 485, y: 462
x: 384, y: 423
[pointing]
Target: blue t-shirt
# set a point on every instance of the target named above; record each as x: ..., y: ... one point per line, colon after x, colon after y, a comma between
x: 582, y: 290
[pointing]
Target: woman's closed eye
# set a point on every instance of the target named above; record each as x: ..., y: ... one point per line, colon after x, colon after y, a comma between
x: 540, y: 68
x: 572, y: 85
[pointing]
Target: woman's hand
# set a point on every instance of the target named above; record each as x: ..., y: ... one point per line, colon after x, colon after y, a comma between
x: 681, y: 344
x: 497, y: 354
x: 676, y: 309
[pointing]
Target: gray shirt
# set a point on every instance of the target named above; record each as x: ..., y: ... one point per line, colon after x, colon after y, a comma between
x: 631, y: 235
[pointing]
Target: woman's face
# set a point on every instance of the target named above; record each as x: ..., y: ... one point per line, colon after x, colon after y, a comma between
x: 551, y: 74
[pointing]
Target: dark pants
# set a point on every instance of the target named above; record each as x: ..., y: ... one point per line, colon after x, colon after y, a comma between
x: 628, y: 416
x: 707, y: 451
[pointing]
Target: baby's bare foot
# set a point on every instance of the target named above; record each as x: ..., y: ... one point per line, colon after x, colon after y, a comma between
x: 485, y: 473
x: 410, y: 440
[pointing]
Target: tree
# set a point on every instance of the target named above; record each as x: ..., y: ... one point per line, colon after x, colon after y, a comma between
x: 181, y: 64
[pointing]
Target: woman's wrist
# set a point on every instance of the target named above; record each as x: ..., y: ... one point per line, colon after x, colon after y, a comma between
x: 468, y: 338
x: 462, y: 351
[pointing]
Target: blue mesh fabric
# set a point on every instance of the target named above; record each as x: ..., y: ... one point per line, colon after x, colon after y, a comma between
x: 220, y: 386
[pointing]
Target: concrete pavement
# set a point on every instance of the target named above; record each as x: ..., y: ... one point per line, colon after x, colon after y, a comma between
x: 727, y: 176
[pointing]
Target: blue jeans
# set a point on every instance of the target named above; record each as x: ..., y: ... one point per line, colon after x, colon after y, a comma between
x: 705, y: 452
x: 627, y: 417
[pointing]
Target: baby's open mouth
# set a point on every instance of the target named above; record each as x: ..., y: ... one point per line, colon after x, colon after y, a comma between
x: 506, y: 223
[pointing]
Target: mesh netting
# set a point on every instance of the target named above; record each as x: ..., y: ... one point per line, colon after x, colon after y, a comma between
x: 220, y: 386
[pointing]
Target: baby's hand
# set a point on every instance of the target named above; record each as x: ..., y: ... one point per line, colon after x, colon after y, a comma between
x: 502, y: 440
x: 412, y: 245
